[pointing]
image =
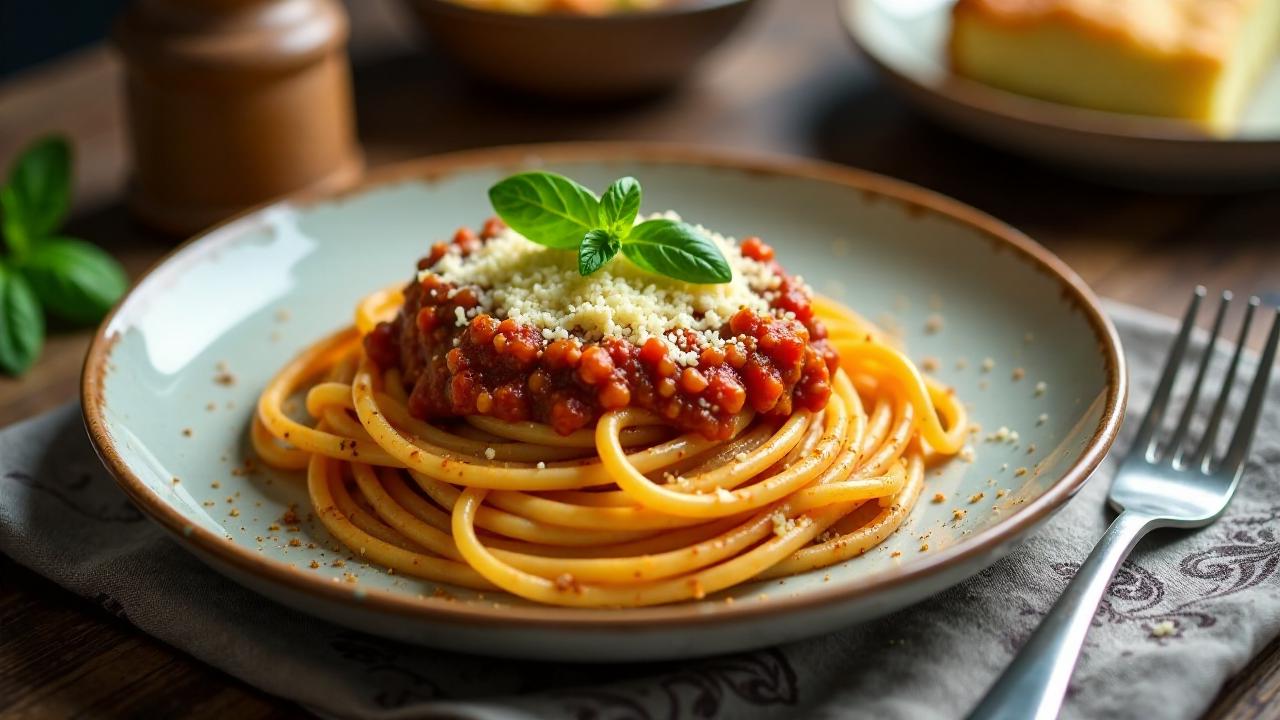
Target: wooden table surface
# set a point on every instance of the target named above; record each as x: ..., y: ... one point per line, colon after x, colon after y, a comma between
x: 788, y: 83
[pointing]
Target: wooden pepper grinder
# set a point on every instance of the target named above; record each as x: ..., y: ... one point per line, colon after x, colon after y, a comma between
x: 234, y: 102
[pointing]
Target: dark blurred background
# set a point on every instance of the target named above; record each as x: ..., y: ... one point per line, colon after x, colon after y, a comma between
x: 33, y: 31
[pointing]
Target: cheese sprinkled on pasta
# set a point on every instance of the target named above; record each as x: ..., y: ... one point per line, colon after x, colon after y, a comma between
x: 541, y: 287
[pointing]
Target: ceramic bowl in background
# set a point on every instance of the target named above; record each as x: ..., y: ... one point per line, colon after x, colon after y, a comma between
x: 582, y: 57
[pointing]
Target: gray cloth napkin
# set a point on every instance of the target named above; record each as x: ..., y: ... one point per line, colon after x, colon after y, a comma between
x: 1188, y: 611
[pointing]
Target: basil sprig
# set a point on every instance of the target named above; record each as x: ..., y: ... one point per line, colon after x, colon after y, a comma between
x: 42, y: 271
x: 557, y: 212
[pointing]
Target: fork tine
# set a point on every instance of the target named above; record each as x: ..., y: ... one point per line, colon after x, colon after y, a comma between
x: 1193, y: 398
x: 1204, y: 453
x: 1160, y: 401
x: 1239, y: 448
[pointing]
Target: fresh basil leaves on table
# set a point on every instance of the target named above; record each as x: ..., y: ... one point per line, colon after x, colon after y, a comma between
x: 557, y: 212
x: 40, y: 270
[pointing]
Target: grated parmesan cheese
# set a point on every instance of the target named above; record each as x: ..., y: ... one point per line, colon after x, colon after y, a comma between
x: 781, y: 523
x: 541, y: 287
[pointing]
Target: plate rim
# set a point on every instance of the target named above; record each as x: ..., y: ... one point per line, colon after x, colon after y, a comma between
x: 664, y: 13
x: 436, y: 167
x: 1046, y: 114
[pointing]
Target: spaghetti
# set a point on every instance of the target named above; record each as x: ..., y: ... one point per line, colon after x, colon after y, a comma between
x: 565, y: 484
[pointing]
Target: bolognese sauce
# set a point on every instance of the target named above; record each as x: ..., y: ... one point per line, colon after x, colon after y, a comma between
x: 457, y: 359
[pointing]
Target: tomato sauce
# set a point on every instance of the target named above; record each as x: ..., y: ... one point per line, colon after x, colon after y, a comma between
x: 507, y: 370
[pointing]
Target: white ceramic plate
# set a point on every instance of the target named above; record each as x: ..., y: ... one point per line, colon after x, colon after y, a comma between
x: 906, y: 40
x: 244, y: 297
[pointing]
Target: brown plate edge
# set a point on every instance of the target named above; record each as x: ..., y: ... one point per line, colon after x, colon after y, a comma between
x: 663, y: 13
x: 712, y: 613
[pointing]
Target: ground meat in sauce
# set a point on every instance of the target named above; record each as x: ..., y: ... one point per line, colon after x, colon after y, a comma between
x: 509, y: 371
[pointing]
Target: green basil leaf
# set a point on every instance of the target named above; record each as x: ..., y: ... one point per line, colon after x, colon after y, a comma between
x: 677, y: 250
x: 21, y: 324
x: 548, y: 209
x: 38, y: 193
x: 619, y: 205
x: 598, y: 247
x: 74, y: 280
x: 12, y: 224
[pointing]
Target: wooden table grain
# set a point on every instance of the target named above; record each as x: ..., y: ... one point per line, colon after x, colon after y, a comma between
x: 788, y: 83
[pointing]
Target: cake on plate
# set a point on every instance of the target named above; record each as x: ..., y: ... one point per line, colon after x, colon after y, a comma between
x: 1196, y: 60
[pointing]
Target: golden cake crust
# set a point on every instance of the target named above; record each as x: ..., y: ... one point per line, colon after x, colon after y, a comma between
x: 1200, y: 28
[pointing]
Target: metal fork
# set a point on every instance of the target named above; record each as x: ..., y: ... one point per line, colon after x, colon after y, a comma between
x: 1174, y: 483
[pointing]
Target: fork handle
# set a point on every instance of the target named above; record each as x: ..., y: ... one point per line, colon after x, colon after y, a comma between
x: 1033, y: 686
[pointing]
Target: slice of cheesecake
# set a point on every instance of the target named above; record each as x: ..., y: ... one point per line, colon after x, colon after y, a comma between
x: 1197, y: 60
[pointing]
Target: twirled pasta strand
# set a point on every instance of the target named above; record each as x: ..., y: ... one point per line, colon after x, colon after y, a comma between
x: 625, y: 514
